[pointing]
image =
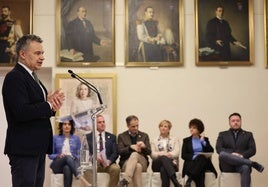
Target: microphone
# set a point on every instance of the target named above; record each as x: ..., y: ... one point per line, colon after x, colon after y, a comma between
x: 89, y: 85
x: 72, y: 73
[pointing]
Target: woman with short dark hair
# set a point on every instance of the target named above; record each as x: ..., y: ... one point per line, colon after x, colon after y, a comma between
x: 195, y: 162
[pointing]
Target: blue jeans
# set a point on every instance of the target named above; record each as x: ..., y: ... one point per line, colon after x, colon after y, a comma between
x: 66, y: 165
x: 233, y: 163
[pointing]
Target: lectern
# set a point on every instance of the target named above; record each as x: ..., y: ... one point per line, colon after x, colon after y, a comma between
x: 92, y: 113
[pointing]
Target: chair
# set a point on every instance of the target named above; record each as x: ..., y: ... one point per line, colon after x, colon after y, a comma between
x: 210, y: 180
x: 56, y: 180
x: 156, y: 179
x: 102, y: 180
x: 229, y: 179
x: 146, y: 179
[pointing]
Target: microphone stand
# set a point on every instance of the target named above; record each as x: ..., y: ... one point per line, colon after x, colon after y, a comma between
x: 93, y: 114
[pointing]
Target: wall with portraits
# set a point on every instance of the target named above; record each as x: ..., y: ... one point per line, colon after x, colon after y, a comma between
x: 174, y: 93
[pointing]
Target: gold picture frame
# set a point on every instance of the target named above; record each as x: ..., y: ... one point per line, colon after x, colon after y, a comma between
x: 85, y: 33
x: 18, y: 22
x: 266, y: 31
x: 214, y: 37
x: 154, y: 42
x: 105, y: 84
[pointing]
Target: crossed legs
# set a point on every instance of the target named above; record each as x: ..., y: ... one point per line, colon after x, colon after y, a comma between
x: 233, y: 163
x: 133, y: 168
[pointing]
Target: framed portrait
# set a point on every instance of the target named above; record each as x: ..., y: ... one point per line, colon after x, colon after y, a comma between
x: 154, y: 33
x: 85, y: 33
x: 79, y: 99
x: 15, y: 21
x: 224, y: 33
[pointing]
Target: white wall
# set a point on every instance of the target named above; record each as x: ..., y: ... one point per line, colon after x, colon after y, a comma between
x: 177, y: 94
x: 5, y: 178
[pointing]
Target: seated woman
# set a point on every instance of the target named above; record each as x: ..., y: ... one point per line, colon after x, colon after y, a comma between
x: 196, y: 163
x: 165, y: 154
x: 65, y: 156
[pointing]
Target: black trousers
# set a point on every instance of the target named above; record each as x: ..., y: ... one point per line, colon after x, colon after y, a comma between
x: 197, y: 170
x: 27, y: 171
x: 166, y: 167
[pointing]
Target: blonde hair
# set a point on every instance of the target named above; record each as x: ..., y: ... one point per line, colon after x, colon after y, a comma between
x: 165, y: 121
x: 77, y: 93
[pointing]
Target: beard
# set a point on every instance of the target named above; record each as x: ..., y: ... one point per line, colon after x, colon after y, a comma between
x: 4, y: 16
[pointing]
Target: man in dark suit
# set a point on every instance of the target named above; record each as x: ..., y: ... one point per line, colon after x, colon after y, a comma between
x: 107, y: 151
x: 80, y: 36
x: 235, y: 147
x: 28, y: 109
x: 133, y: 148
x: 219, y: 35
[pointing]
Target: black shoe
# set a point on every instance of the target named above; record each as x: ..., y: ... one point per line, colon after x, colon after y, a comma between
x: 257, y: 166
x: 175, y: 181
x: 178, y: 185
x: 188, y: 182
x: 123, y: 183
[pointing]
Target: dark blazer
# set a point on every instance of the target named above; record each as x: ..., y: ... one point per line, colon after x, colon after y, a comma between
x: 124, y: 143
x: 219, y: 30
x: 29, y: 130
x: 188, y: 152
x: 81, y: 38
x: 110, y: 146
x: 244, y: 145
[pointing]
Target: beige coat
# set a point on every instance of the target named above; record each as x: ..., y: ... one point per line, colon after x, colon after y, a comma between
x: 173, y: 147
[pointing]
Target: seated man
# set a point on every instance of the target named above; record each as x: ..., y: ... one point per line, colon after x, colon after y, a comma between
x: 107, y: 151
x: 133, y: 148
x: 235, y: 146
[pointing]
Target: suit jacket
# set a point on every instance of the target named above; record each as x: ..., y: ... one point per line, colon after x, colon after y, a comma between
x: 244, y: 145
x: 29, y: 130
x: 124, y: 143
x: 110, y: 146
x: 81, y: 38
x: 187, y: 152
x: 217, y: 30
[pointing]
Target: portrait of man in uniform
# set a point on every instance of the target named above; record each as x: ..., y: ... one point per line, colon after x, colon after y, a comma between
x: 14, y: 22
x: 154, y: 33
